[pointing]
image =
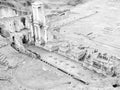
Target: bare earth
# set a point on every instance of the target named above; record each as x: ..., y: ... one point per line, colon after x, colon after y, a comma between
x: 26, y: 73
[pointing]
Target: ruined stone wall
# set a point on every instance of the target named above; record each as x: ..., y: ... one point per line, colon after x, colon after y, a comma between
x: 18, y: 24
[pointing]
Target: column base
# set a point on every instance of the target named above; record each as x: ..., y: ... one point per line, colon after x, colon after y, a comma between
x: 38, y: 43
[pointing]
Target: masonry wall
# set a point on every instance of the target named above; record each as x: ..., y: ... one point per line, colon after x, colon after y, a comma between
x: 18, y: 24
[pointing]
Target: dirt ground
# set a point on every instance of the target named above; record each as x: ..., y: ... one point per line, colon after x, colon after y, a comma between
x: 104, y: 25
x: 26, y: 73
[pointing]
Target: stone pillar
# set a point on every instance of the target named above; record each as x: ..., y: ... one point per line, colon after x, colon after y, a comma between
x: 39, y: 19
x: 31, y: 28
x: 38, y: 12
x: 46, y: 34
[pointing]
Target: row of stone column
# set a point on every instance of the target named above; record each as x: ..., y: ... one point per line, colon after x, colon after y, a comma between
x: 40, y: 34
x: 39, y: 23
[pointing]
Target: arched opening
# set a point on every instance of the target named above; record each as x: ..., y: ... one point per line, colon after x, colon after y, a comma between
x: 24, y: 40
x: 23, y: 20
x: 13, y: 41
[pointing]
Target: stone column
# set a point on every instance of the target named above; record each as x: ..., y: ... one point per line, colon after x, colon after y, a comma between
x: 37, y: 39
x: 38, y: 17
x: 36, y: 33
x: 46, y: 34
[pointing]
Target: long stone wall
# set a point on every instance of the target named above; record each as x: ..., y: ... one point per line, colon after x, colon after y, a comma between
x: 71, y: 19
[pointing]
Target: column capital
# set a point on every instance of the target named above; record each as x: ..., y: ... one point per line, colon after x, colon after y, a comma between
x: 37, y: 3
